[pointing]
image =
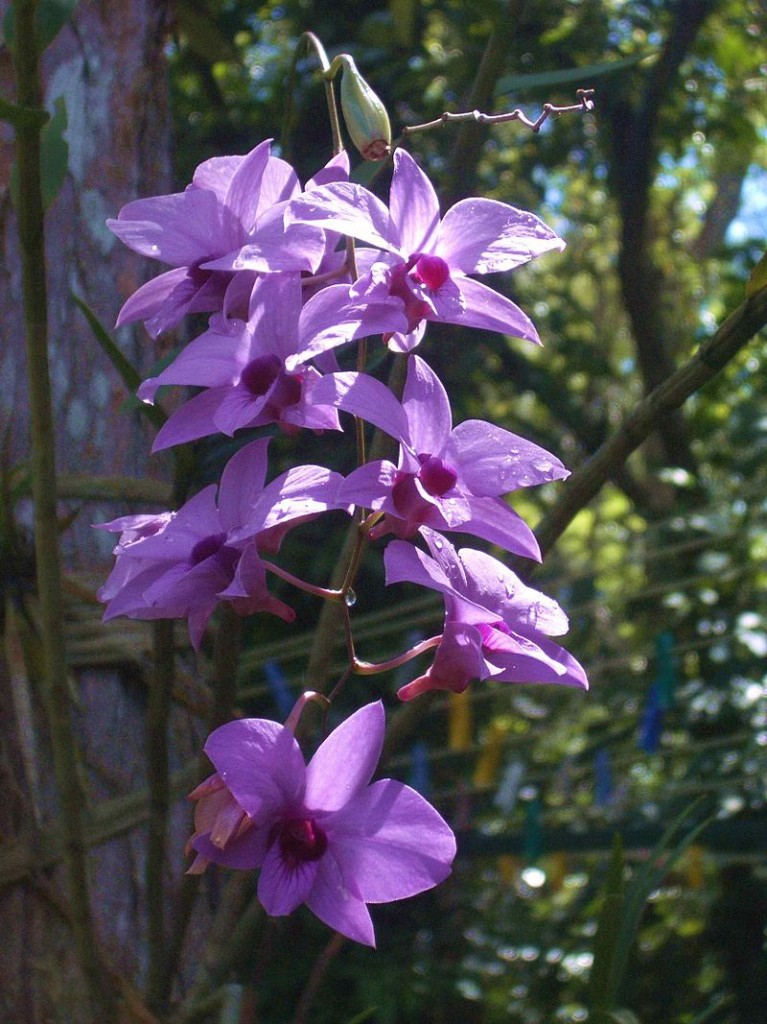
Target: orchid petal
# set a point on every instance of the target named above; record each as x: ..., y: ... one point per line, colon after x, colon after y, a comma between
x: 482, y: 236
x: 261, y: 764
x: 405, y: 563
x: 179, y: 229
x: 492, y: 584
x: 349, y: 209
x: 299, y: 492
x: 279, y: 184
x: 390, y: 843
x: 457, y: 663
x: 490, y: 311
x: 274, y: 248
x: 242, y: 195
x: 192, y: 420
x: 518, y: 659
x: 208, y: 361
x: 335, y: 902
x: 427, y: 408
x: 336, y: 169
x: 242, y: 482
x: 275, y: 304
x: 239, y: 408
x: 330, y: 318
x: 364, y: 396
x: 492, y: 520
x: 246, y: 851
x: 493, y: 461
x: 344, y: 762
x: 216, y: 173
x: 370, y: 486
x: 179, y: 284
x: 282, y: 886
x: 414, y: 205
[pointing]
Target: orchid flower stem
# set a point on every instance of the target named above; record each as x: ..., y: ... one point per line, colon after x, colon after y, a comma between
x: 158, y: 713
x: 310, y: 39
x: 366, y: 668
x: 309, y: 588
x: 224, y: 952
x: 316, y: 279
x: 307, y: 697
x: 226, y: 655
x: 345, y: 677
x: 585, y: 104
x: 319, y: 970
x: 43, y: 433
x: 307, y: 41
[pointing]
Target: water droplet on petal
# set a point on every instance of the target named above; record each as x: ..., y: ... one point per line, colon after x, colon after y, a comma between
x: 154, y: 248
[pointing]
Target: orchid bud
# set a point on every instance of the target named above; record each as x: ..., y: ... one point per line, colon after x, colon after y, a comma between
x: 364, y: 113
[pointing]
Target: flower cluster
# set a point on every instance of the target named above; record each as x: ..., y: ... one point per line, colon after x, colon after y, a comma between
x: 264, y: 257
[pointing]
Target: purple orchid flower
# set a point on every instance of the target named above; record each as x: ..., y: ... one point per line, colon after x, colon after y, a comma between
x: 320, y: 834
x: 447, y: 478
x: 424, y: 267
x: 181, y: 564
x: 242, y: 366
x: 495, y: 625
x: 233, y: 206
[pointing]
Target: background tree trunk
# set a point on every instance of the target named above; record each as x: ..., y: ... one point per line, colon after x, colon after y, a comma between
x: 108, y: 66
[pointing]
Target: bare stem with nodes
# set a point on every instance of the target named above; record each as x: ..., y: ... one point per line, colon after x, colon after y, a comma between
x: 585, y: 104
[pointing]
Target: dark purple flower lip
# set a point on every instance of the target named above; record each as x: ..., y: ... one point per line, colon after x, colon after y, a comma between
x: 432, y: 271
x: 301, y: 840
x: 206, y: 547
x: 260, y: 373
x: 436, y: 475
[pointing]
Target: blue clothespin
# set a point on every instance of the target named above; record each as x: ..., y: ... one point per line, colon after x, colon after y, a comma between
x: 652, y: 721
x: 420, y: 772
x: 279, y: 688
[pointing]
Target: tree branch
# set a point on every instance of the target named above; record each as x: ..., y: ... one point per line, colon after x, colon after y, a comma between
x: 737, y: 330
x: 633, y: 130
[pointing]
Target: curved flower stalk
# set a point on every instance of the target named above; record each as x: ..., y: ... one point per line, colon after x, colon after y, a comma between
x: 447, y: 478
x: 424, y: 264
x: 233, y: 208
x: 495, y: 627
x: 181, y: 564
x: 320, y: 833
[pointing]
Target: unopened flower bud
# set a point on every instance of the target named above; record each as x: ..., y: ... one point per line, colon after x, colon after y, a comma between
x: 364, y: 113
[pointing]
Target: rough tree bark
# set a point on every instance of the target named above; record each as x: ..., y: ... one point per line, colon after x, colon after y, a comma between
x: 108, y: 66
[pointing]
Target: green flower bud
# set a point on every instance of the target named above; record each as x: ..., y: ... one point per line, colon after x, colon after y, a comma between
x: 364, y: 113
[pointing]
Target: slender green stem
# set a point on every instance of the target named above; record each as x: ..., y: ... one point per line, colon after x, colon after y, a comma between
x: 228, y: 949
x: 158, y: 780
x: 226, y: 656
x: 310, y: 41
x: 310, y: 588
x: 367, y: 668
x: 31, y: 238
x: 319, y: 970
